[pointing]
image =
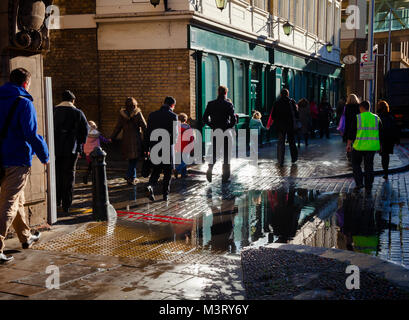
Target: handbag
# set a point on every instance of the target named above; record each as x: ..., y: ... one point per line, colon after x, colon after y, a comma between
x: 341, y: 125
x: 146, y: 167
x: 4, y: 130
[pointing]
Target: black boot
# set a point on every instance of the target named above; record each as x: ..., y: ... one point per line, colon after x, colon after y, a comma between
x: 226, y: 173
x: 209, y: 173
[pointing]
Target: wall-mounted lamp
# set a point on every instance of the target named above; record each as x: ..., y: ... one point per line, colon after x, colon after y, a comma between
x: 221, y: 4
x: 287, y: 28
x: 155, y: 2
x: 329, y: 47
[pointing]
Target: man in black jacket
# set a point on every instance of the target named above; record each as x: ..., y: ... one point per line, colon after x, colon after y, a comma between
x: 166, y: 119
x: 70, y: 132
x: 285, y: 114
x: 219, y: 114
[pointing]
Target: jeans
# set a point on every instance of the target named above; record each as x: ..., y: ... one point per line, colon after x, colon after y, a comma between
x: 368, y: 157
x: 131, y: 173
x: 281, y: 146
x: 182, y: 168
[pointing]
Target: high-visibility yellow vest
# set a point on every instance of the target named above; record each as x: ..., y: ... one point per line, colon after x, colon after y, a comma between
x: 367, y: 135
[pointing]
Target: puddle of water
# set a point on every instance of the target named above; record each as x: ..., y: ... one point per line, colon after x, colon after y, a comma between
x: 229, y: 222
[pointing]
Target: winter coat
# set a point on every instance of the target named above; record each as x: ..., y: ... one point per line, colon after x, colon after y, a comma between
x: 70, y: 129
x: 94, y: 140
x: 164, y: 118
x: 282, y: 114
x: 22, y: 140
x: 181, y: 144
x: 324, y: 113
x: 305, y: 118
x: 219, y: 114
x: 351, y: 111
x: 256, y: 124
x: 314, y: 110
x: 389, y: 135
x: 133, y: 125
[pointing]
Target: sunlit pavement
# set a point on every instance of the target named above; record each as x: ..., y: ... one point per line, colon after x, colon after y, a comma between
x: 191, y: 247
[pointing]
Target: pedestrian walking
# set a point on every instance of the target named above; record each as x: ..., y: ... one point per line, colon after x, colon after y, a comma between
x: 284, y: 113
x: 389, y: 135
x: 94, y: 139
x: 324, y: 116
x: 339, y: 110
x: 184, y: 130
x: 314, y: 117
x: 305, y: 120
x: 165, y: 119
x: 70, y: 133
x: 133, y: 126
x: 19, y: 141
x: 219, y: 114
x: 363, y: 142
x: 351, y: 111
x: 257, y: 124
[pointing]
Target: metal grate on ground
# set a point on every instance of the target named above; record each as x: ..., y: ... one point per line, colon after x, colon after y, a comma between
x: 122, y: 240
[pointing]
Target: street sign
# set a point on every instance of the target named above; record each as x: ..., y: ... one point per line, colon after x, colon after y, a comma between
x: 364, y: 57
x: 367, y: 71
x: 349, y: 59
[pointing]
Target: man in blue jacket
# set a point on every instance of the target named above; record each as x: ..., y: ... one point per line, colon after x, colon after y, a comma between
x: 17, y: 149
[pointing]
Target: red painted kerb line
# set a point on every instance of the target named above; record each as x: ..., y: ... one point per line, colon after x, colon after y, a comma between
x: 146, y: 216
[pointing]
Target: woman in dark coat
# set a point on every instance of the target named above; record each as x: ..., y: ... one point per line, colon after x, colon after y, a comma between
x: 133, y: 125
x: 351, y: 111
x: 389, y: 135
x: 324, y: 116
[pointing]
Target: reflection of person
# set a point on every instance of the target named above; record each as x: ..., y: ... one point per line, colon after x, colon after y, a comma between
x: 19, y: 141
x: 389, y: 135
x: 166, y: 119
x: 70, y: 133
x: 365, y: 132
x: 219, y: 114
x: 222, y: 227
x: 133, y: 125
x: 283, y: 214
x: 356, y: 220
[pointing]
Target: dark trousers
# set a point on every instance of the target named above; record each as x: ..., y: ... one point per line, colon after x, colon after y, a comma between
x: 65, y: 179
x: 324, y: 129
x: 226, y: 164
x: 385, y: 163
x: 281, y: 146
x: 368, y: 157
x: 167, y: 174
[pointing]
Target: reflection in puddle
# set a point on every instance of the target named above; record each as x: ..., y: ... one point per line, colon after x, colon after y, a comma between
x: 293, y: 215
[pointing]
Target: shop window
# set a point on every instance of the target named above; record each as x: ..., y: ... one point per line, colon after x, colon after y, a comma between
x: 226, y: 76
x: 240, y: 88
x: 211, y: 77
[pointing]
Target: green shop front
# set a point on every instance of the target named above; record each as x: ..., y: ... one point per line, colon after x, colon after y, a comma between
x: 255, y: 75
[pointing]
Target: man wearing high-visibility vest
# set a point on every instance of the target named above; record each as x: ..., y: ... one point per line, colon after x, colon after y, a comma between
x: 363, y: 141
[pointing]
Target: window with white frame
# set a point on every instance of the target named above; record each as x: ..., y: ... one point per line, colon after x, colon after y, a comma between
x: 330, y: 21
x: 322, y: 6
x: 299, y: 13
x: 337, y: 18
x: 283, y: 8
x: 310, y: 9
x: 261, y: 4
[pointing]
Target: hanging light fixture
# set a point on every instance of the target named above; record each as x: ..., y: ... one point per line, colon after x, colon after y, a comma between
x: 221, y: 4
x: 155, y: 2
x: 287, y: 27
x: 329, y: 47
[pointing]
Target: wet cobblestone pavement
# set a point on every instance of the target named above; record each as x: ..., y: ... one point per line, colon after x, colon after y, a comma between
x: 205, y: 225
x: 281, y: 274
